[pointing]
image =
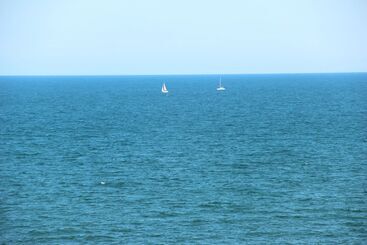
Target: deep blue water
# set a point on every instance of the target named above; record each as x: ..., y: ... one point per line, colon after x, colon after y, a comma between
x: 273, y: 159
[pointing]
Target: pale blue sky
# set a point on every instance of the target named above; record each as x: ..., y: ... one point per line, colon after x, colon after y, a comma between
x: 71, y: 37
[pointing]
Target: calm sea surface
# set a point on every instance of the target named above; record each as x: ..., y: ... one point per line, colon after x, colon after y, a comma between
x: 273, y: 159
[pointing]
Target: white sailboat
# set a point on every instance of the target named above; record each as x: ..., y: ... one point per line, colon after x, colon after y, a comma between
x: 220, y: 87
x: 164, y: 88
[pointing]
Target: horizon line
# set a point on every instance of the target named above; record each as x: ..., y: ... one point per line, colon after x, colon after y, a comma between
x: 178, y: 74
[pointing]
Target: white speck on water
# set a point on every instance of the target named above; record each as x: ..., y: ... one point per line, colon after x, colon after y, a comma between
x: 102, y: 182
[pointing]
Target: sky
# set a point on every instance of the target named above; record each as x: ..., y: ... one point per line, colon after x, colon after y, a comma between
x: 141, y: 37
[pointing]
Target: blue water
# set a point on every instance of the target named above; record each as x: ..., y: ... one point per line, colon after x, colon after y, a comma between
x: 273, y: 159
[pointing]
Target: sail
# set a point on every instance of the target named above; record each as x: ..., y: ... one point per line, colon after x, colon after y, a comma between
x: 164, y: 89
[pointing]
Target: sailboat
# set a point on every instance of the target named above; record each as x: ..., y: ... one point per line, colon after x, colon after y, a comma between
x: 220, y: 87
x: 164, y: 89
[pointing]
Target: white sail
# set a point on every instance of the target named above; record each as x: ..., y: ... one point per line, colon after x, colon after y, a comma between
x: 164, y: 89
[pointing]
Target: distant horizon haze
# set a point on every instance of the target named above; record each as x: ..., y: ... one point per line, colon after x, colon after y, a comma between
x: 42, y: 38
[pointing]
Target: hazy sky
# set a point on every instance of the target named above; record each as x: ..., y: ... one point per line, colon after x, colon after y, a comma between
x: 182, y: 37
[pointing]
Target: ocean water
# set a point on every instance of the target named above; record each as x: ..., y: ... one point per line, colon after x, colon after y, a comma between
x: 111, y: 160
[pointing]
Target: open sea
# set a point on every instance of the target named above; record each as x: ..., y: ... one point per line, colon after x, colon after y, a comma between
x: 112, y: 160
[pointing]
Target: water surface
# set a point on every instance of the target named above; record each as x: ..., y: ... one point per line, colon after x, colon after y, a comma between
x: 273, y: 159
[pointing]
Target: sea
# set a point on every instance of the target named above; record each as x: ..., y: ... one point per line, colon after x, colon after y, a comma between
x: 273, y: 159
